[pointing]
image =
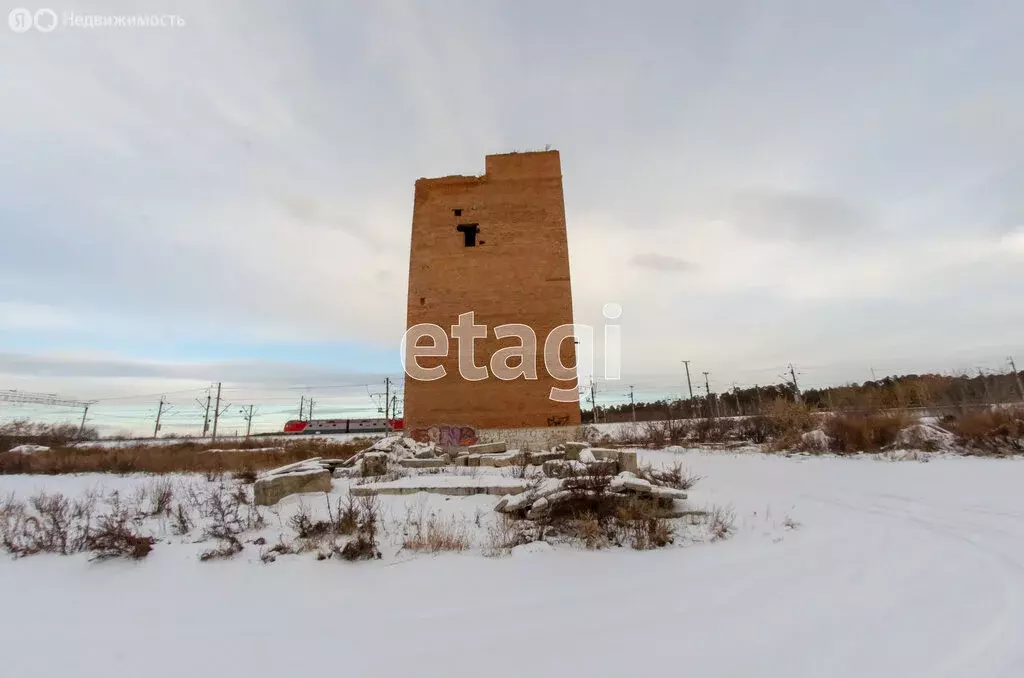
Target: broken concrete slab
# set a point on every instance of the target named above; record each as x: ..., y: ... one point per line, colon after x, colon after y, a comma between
x: 538, y: 458
x: 460, y: 486
x: 502, y: 460
x: 421, y: 463
x: 487, y: 448
x: 626, y: 459
x: 269, y: 490
x: 305, y: 463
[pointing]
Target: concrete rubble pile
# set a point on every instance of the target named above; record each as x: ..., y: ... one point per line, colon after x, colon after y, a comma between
x: 538, y: 502
x: 392, y: 451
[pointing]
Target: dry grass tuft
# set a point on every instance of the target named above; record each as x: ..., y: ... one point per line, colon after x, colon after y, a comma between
x: 185, y: 457
x: 864, y: 431
x: 991, y: 431
x: 437, y: 535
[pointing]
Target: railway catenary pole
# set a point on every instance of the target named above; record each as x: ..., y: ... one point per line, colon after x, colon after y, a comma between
x: 707, y: 390
x: 206, y: 413
x: 159, y: 411
x: 216, y: 413
x: 689, y: 385
x: 81, y: 427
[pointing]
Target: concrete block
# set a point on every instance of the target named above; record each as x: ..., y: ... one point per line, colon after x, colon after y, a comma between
x: 473, y: 460
x: 461, y: 460
x: 487, y: 448
x: 451, y: 490
x: 603, y: 467
x: 605, y: 453
x: 538, y: 458
x: 268, y: 491
x: 502, y: 460
x: 421, y: 463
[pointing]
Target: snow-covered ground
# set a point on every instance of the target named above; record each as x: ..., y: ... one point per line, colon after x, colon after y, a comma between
x: 838, y: 567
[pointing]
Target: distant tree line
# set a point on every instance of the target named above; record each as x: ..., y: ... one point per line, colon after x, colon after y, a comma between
x: 911, y: 390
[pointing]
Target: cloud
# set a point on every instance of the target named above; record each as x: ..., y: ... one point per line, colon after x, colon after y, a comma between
x: 795, y: 215
x: 660, y: 262
x: 241, y: 181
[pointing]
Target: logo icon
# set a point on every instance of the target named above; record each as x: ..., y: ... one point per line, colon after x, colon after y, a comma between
x: 20, y: 20
x: 46, y: 20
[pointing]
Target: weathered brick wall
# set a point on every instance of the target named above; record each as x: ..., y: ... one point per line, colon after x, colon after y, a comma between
x: 517, y: 273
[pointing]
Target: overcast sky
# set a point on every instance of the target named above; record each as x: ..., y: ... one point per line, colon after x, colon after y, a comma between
x: 836, y: 184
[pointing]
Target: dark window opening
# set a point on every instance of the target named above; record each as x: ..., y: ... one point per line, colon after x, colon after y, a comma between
x: 469, y: 231
x: 458, y: 212
x: 423, y: 300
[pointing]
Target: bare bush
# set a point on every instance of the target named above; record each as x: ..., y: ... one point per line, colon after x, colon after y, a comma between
x: 50, y: 523
x: 116, y: 537
x: 161, y: 496
x: 230, y: 514
x: 364, y: 545
x: 674, y: 476
x: 181, y: 520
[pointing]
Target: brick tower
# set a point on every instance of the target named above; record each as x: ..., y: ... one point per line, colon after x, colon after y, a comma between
x: 495, y: 245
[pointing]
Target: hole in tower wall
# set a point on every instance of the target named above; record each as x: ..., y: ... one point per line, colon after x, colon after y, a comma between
x: 469, y: 232
x: 457, y: 212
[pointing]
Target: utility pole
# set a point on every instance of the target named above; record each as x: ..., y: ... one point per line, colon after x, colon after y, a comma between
x: 310, y: 409
x: 394, y: 406
x: 387, y: 398
x: 1016, y: 376
x: 688, y: 384
x: 631, y: 403
x: 216, y: 413
x: 81, y: 427
x: 159, y: 411
x: 796, y: 387
x: 206, y: 415
x: 302, y: 406
x: 736, y: 395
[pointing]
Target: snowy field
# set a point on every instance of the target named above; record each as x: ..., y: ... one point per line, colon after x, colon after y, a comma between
x: 837, y: 567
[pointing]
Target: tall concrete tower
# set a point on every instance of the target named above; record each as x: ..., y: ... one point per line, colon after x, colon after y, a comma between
x: 494, y: 245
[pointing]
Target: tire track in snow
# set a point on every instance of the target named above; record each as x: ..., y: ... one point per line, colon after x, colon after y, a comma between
x: 1003, y: 632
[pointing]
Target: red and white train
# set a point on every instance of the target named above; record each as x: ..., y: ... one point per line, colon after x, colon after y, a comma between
x: 343, y: 426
